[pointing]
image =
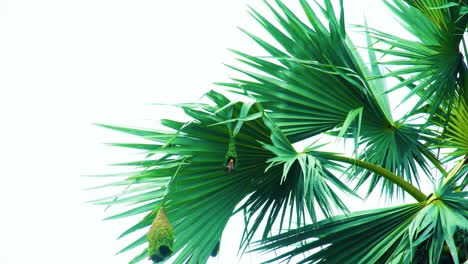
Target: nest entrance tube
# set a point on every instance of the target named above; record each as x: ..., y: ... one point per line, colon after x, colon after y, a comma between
x: 160, y: 237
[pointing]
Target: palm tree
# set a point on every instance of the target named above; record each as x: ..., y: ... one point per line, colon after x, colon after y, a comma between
x: 239, y: 156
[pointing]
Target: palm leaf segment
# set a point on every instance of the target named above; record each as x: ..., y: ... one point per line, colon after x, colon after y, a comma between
x: 456, y: 136
x: 303, y: 181
x: 432, y: 67
x: 315, y: 81
x: 200, y: 194
x: 402, y: 234
x: 312, y: 81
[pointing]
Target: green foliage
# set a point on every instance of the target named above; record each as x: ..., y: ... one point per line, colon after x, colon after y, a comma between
x: 456, y: 132
x: 433, y: 63
x: 201, y: 187
x: 235, y: 157
x: 315, y: 82
x: 393, y: 234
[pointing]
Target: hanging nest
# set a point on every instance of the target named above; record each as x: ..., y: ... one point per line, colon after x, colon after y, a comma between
x: 231, y: 156
x: 160, y: 237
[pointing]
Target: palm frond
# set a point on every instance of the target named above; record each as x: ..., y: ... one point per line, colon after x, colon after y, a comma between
x: 312, y: 81
x: 316, y: 81
x: 397, y: 148
x: 402, y: 234
x: 237, y: 157
x: 299, y: 186
x: 456, y: 134
x: 200, y: 193
x: 432, y: 63
x: 200, y: 189
x: 341, y: 239
x: 434, y: 229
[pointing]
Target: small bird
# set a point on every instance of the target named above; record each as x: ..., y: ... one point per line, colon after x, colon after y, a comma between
x: 231, y: 164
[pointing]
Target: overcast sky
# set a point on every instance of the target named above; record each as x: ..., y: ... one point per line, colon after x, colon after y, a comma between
x: 67, y: 64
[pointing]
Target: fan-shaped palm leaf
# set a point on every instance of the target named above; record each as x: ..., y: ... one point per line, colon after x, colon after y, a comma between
x: 433, y: 63
x: 315, y: 81
x: 312, y: 81
x: 391, y: 235
x: 202, y: 193
x: 304, y: 181
x: 237, y: 157
x: 456, y: 135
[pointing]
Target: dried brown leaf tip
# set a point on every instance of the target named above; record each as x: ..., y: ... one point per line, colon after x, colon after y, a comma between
x: 160, y: 237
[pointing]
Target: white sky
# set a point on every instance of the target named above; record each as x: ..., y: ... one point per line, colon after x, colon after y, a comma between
x: 67, y: 64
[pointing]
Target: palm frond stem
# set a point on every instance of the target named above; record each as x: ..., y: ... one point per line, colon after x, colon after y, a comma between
x: 455, y: 170
x: 398, y: 180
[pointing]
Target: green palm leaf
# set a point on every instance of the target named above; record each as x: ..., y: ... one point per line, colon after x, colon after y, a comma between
x: 304, y: 182
x: 401, y: 234
x: 343, y: 237
x: 315, y: 81
x: 435, y: 228
x: 397, y: 148
x: 235, y: 157
x: 200, y: 194
x: 433, y: 63
x: 200, y: 188
x: 456, y: 134
x: 312, y: 81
